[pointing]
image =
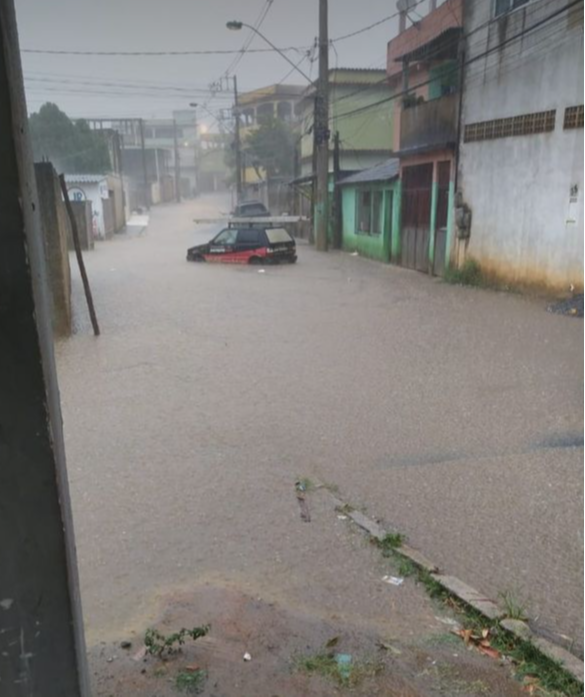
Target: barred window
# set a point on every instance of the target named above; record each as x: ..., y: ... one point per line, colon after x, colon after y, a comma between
x: 523, y: 125
x: 573, y: 117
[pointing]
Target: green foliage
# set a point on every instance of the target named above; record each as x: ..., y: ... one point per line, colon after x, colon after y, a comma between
x: 468, y: 275
x: 160, y: 645
x: 70, y: 145
x: 271, y: 147
x: 393, y: 540
x: 193, y: 682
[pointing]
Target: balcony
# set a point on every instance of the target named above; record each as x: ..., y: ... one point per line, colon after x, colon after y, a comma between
x: 429, y: 125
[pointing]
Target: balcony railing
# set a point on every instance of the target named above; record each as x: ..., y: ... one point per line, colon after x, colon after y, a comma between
x: 432, y: 123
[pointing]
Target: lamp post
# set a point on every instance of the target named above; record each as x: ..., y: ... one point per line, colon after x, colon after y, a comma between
x: 237, y: 26
x: 320, y: 122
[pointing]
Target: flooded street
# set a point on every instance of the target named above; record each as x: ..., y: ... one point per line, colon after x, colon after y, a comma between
x: 452, y: 414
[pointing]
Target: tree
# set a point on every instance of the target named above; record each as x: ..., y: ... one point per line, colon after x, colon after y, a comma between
x: 70, y: 145
x: 272, y: 147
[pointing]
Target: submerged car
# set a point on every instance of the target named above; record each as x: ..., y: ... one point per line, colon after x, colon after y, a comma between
x: 247, y: 245
x: 251, y: 209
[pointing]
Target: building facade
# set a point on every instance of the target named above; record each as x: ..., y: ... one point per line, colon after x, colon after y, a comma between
x: 520, y: 164
x: 423, y: 68
x: 371, y: 211
x: 106, y: 194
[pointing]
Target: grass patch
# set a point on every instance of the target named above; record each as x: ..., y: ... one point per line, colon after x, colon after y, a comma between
x: 529, y: 664
x: 191, y: 681
x: 514, y: 605
x: 391, y: 542
x: 346, y: 509
x: 162, y: 645
x: 469, y: 274
x: 325, y: 664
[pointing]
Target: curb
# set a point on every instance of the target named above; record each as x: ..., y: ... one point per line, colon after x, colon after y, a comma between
x: 478, y: 601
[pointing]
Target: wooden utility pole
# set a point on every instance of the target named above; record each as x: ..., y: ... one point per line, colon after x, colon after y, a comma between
x: 321, y: 124
x: 337, y: 218
x: 237, y: 141
x: 177, y: 164
x: 79, y: 255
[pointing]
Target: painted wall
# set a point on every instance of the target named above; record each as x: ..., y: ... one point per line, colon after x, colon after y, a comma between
x: 371, y: 246
x: 519, y: 187
x: 368, y: 130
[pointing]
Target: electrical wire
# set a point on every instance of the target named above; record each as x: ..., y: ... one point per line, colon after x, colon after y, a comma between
x: 374, y: 24
x: 475, y: 58
x: 204, y: 52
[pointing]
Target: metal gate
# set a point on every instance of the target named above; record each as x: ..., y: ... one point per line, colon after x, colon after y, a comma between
x: 416, y: 216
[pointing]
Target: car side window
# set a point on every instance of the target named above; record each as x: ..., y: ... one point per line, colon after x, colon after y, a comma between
x: 248, y: 237
x: 227, y: 236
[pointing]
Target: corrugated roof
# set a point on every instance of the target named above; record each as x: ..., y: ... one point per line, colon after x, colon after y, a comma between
x: 387, y: 170
x: 84, y: 178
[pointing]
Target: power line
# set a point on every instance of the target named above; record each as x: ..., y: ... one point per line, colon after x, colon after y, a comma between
x: 373, y: 25
x: 250, y: 38
x: 59, y: 52
x: 497, y: 47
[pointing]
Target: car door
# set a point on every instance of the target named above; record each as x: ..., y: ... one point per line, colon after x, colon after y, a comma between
x: 247, y: 243
x: 222, y: 246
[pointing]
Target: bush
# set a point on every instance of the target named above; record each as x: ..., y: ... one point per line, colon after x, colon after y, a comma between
x: 467, y: 275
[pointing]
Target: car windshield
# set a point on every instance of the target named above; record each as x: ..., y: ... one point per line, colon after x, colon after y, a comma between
x: 227, y: 236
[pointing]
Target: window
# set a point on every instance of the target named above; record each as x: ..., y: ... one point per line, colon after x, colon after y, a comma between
x: 278, y: 235
x: 364, y: 212
x: 376, y: 213
x: 248, y: 236
x: 369, y: 212
x: 526, y: 124
x: 503, y: 6
x: 227, y: 236
x: 573, y: 117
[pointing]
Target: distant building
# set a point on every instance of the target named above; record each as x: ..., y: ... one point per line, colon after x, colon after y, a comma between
x: 366, y: 136
x: 106, y: 194
x: 275, y: 101
x: 213, y: 172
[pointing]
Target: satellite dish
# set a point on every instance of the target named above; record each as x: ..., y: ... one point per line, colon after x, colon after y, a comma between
x: 405, y: 5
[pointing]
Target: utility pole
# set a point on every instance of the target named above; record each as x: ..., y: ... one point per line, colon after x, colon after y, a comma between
x: 144, y: 168
x: 237, y: 142
x: 321, y: 125
x: 337, y: 216
x: 177, y: 164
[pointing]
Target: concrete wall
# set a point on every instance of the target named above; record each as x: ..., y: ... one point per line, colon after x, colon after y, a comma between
x: 56, y: 232
x: 42, y: 649
x: 519, y: 187
x: 116, y: 185
x: 83, y: 217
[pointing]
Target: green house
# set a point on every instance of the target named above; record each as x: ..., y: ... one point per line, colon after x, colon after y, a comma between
x: 370, y: 208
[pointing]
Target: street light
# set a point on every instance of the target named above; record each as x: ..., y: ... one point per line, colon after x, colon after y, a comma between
x: 235, y: 25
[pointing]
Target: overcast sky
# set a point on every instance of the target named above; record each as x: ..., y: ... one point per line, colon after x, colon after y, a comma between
x: 151, y: 82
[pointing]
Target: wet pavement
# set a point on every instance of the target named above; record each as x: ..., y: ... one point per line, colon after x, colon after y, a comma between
x: 453, y: 414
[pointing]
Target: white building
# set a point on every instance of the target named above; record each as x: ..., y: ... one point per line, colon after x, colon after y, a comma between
x: 520, y: 161
x: 105, y: 191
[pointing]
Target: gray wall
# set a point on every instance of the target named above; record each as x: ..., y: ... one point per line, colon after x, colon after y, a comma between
x: 42, y: 649
x: 83, y: 217
x: 56, y: 232
x: 518, y: 187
